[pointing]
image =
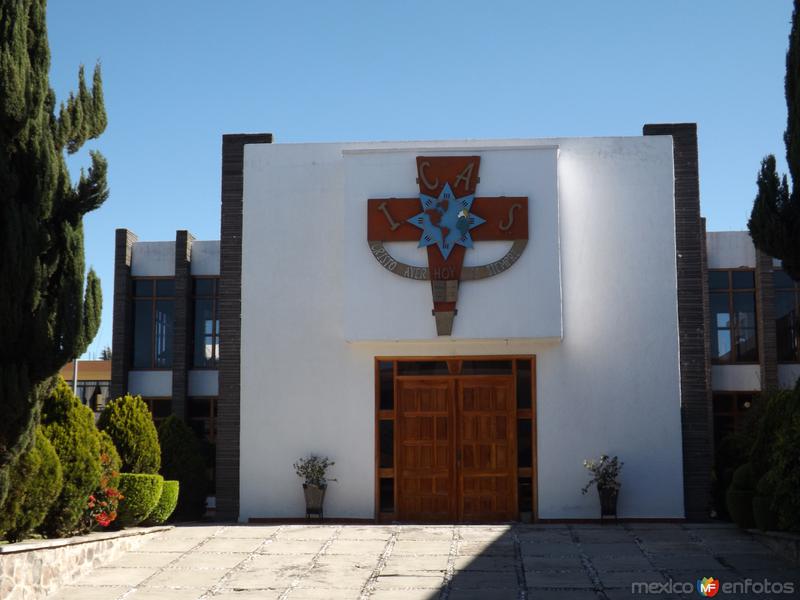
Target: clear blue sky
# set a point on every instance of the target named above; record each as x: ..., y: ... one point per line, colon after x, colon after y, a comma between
x: 179, y: 74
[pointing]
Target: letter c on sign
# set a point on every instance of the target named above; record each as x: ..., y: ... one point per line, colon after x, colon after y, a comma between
x: 425, y: 182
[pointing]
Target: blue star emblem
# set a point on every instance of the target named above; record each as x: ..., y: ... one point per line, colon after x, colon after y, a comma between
x: 446, y: 221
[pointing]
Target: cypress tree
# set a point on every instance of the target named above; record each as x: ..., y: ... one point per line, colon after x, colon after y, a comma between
x: 775, y: 220
x: 45, y: 317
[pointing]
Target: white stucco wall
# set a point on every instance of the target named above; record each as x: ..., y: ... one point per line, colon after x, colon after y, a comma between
x: 788, y: 375
x: 150, y: 384
x: 735, y: 378
x: 154, y: 259
x: 610, y: 386
x: 730, y: 250
x: 205, y: 257
x: 203, y: 382
x: 525, y: 300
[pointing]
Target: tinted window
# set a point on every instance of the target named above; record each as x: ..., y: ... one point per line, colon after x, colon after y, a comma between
x: 743, y: 279
x: 142, y: 333
x: 434, y: 367
x: 718, y: 280
x: 165, y: 287
x: 386, y: 492
x: 486, y: 367
x: 164, y: 329
x: 386, y: 383
x: 387, y: 444
x: 524, y: 443
x: 524, y: 383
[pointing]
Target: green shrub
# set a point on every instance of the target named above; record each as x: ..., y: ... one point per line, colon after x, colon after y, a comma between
x: 36, y: 482
x: 140, y: 492
x: 774, y: 409
x: 110, y: 461
x: 784, y: 473
x: 763, y: 514
x: 129, y: 423
x: 70, y: 428
x: 166, y: 503
x: 743, y: 478
x: 732, y: 451
x: 775, y: 456
x: 182, y: 459
x: 740, y: 507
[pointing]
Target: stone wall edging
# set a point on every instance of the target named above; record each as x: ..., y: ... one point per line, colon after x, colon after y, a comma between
x: 33, y: 570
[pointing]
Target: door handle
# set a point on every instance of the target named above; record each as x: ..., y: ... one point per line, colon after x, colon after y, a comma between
x: 458, y: 457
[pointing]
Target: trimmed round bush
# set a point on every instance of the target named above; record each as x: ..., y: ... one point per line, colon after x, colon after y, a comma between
x: 140, y: 494
x: 784, y: 473
x: 740, y: 507
x: 763, y: 514
x: 182, y: 459
x: 743, y: 478
x: 70, y: 428
x: 36, y: 481
x: 166, y: 503
x: 129, y: 423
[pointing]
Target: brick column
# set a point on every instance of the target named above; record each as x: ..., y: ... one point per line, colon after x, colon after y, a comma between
x: 121, y: 331
x: 765, y: 315
x: 182, y: 340
x: 696, y: 417
x: 230, y: 315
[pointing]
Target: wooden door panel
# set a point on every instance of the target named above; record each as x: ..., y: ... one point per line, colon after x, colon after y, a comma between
x: 425, y: 449
x: 487, y: 445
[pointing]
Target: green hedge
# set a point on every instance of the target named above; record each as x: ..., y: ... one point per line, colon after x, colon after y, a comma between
x: 740, y: 507
x: 739, y: 498
x: 784, y: 472
x: 182, y: 459
x: 140, y: 492
x: 166, y: 503
x: 743, y: 478
x: 70, y: 428
x: 35, y: 482
x: 772, y: 440
x: 129, y: 423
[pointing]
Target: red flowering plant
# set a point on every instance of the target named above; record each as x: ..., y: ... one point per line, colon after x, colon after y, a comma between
x: 102, y: 504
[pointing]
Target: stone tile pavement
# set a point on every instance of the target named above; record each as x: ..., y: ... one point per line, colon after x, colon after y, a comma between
x: 454, y: 562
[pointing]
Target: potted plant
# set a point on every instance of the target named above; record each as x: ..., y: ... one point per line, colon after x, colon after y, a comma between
x: 313, y: 471
x: 605, y: 473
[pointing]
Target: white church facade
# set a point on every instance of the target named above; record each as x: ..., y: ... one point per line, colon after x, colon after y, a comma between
x: 457, y: 324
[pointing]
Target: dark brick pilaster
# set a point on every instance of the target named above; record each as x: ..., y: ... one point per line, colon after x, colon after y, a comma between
x: 765, y: 315
x: 121, y: 331
x: 696, y: 416
x: 183, y: 327
x: 229, y: 310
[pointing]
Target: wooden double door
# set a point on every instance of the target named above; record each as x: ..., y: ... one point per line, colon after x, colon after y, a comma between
x: 456, y: 449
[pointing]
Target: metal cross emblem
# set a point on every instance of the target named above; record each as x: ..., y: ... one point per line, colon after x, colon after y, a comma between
x: 446, y: 219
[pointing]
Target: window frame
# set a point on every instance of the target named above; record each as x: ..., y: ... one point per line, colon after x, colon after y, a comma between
x: 153, y: 299
x: 734, y: 329
x: 150, y: 400
x: 211, y: 418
